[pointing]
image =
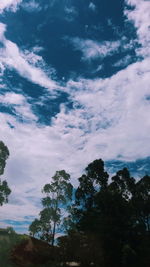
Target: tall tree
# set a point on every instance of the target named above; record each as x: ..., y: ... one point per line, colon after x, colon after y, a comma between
x: 103, y: 210
x: 94, y: 179
x: 4, y: 189
x: 58, y: 195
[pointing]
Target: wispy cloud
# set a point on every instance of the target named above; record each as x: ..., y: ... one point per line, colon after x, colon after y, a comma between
x: 123, y: 62
x: 25, y: 64
x: 92, y: 6
x: 71, y: 13
x: 31, y: 6
x: 21, y: 108
x: 92, y: 49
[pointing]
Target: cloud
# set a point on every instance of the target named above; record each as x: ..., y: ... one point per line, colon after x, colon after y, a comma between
x: 92, y: 6
x: 109, y: 120
x: 31, y: 6
x: 2, y: 31
x: 140, y: 16
x: 71, y: 13
x: 123, y: 62
x: 12, y: 99
x: 35, y: 156
x: 93, y: 49
x: 21, y: 108
x: 9, y: 5
x: 25, y: 64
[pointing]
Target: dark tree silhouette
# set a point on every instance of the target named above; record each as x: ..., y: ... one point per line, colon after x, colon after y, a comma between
x: 115, y: 214
x: 4, y: 189
x: 58, y: 195
x: 107, y: 225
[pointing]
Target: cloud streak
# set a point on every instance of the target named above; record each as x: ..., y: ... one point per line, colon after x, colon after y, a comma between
x: 12, y: 58
x: 93, y: 49
x: 31, y: 6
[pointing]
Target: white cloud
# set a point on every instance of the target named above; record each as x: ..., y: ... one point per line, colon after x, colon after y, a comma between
x: 12, y: 57
x: 12, y: 99
x: 2, y: 31
x: 109, y: 120
x: 108, y: 112
x: 20, y: 105
x: 93, y: 49
x: 35, y: 156
x: 9, y: 4
x: 140, y: 16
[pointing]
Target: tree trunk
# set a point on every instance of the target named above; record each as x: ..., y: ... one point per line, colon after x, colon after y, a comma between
x: 53, y: 234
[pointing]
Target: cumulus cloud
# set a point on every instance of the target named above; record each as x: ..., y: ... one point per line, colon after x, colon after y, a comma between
x: 12, y: 57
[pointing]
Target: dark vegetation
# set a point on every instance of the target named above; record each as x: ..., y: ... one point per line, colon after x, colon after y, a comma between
x: 4, y: 189
x: 8, y: 240
x: 105, y: 221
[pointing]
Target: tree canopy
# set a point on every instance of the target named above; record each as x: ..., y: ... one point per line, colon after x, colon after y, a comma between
x: 108, y: 222
x: 58, y: 194
x: 4, y: 188
x: 113, y: 216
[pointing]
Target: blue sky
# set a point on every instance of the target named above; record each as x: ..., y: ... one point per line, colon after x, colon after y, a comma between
x: 74, y: 86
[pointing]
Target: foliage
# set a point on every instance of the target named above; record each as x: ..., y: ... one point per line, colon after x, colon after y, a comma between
x: 108, y: 224
x: 115, y: 214
x: 4, y: 154
x: 58, y: 195
x: 4, y: 189
x: 7, y: 243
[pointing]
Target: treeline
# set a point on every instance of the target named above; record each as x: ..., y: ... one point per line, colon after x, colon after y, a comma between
x: 106, y: 220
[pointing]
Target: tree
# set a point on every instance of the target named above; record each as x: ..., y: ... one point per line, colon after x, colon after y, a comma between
x: 35, y: 228
x: 141, y: 203
x: 85, y: 212
x: 103, y: 210
x: 108, y: 223
x: 94, y: 179
x: 58, y: 195
x: 4, y: 189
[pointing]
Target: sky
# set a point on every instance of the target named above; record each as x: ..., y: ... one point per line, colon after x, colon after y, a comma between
x: 74, y: 87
